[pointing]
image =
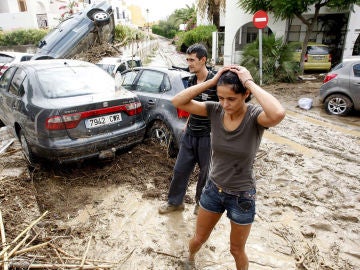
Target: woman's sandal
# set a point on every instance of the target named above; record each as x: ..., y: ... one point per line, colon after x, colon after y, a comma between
x: 188, y: 265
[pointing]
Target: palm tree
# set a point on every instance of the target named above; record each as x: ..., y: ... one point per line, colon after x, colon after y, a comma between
x: 211, y: 10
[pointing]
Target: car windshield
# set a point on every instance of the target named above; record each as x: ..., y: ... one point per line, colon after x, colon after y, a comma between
x: 5, y: 58
x: 74, y: 81
x: 322, y: 50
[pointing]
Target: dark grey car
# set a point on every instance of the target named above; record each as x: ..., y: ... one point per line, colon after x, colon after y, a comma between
x: 93, y: 25
x: 340, y: 92
x: 156, y: 87
x: 67, y: 110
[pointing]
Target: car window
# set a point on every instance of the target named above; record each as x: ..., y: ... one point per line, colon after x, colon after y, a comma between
x: 74, y: 81
x: 25, y: 58
x: 6, y: 77
x: 4, y: 58
x: 107, y: 67
x: 16, y: 82
x: 167, y: 84
x: 322, y: 50
x: 356, y: 69
x: 150, y: 81
x: 133, y: 63
x: 128, y: 78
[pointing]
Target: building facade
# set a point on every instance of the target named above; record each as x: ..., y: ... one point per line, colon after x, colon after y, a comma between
x: 343, y: 39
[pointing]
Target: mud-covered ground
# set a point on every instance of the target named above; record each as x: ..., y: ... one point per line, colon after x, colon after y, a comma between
x: 105, y: 213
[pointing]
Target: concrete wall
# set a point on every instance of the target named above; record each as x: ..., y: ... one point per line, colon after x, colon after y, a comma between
x: 353, y: 31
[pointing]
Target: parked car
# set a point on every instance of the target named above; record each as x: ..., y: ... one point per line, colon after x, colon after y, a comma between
x: 67, y: 110
x: 79, y: 32
x: 317, y: 56
x: 119, y: 64
x: 7, y: 58
x: 340, y: 92
x: 156, y: 87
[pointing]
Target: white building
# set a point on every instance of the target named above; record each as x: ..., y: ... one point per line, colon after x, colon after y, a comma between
x: 239, y: 31
x: 33, y: 14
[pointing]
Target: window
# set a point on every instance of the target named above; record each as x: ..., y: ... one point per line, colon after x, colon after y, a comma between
x: 6, y: 77
x: 16, y: 82
x: 150, y: 81
x: 356, y: 69
x: 22, y: 5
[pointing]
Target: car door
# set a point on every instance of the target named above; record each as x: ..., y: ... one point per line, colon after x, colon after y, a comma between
x: 6, y: 98
x: 149, y: 86
x: 355, y: 84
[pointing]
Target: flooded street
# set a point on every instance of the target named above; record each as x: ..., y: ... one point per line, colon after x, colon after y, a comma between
x: 308, y: 196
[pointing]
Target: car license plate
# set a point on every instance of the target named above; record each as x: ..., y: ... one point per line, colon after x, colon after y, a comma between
x: 319, y: 58
x: 103, y: 120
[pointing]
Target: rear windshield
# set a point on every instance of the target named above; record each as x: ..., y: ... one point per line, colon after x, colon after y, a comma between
x: 4, y: 58
x: 70, y: 81
x: 318, y: 50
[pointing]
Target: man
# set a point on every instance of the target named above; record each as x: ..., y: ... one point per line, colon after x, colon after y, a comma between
x: 195, y: 144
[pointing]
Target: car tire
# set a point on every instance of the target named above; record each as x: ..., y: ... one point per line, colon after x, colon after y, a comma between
x: 100, y: 18
x: 338, y: 104
x: 30, y: 158
x: 161, y: 133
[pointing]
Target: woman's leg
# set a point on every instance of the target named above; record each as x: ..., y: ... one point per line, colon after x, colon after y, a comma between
x: 204, y: 225
x: 238, y: 237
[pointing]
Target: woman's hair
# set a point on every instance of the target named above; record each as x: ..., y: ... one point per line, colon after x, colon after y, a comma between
x: 232, y: 80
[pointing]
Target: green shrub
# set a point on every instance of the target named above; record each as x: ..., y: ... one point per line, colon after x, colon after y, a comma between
x: 126, y: 34
x: 22, y: 37
x: 201, y: 34
x: 277, y: 64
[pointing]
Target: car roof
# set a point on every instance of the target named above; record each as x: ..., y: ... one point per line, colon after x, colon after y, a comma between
x: 116, y: 60
x: 47, y: 63
x: 15, y: 53
x: 172, y: 72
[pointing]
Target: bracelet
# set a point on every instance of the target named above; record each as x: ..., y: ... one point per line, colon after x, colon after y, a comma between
x: 246, y: 82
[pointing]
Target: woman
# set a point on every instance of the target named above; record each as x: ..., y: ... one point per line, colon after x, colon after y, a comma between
x: 236, y: 131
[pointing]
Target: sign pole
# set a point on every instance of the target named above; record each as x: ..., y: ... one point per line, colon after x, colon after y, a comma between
x: 260, y: 55
x: 260, y: 21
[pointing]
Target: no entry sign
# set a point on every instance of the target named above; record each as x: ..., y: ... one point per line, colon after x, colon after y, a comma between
x: 260, y: 19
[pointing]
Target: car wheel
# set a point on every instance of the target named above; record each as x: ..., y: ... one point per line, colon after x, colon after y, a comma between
x: 160, y: 133
x: 338, y: 104
x: 30, y: 158
x: 100, y: 18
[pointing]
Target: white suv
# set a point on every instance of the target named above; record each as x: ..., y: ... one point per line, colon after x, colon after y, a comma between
x: 7, y: 58
x: 119, y: 64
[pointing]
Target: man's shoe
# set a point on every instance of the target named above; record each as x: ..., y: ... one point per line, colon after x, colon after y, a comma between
x: 196, y: 209
x: 167, y: 208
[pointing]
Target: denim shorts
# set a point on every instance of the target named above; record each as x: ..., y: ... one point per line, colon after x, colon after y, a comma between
x: 240, y: 208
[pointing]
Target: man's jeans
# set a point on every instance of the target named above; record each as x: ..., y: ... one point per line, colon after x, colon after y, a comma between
x: 193, y: 150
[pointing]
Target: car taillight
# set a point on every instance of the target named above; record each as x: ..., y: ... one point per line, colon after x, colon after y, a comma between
x: 305, y: 58
x: 133, y: 108
x: 330, y: 57
x: 182, y: 113
x: 329, y: 77
x: 2, y: 69
x: 69, y: 121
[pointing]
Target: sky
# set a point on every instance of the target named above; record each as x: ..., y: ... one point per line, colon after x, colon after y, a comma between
x: 160, y: 9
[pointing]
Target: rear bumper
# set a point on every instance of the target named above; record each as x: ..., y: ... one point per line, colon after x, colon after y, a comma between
x: 317, y: 66
x: 73, y: 150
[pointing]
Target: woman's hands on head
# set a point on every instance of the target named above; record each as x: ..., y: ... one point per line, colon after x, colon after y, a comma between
x: 243, y: 74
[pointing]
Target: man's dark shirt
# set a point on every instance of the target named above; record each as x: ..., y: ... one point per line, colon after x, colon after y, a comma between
x: 200, y: 125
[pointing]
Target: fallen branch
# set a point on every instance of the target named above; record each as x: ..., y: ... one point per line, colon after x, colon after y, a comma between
x: 18, y: 245
x: 85, y: 254
x: 6, y: 146
x: 3, y: 241
x: 25, y: 250
x: 59, y: 266
x: 21, y: 234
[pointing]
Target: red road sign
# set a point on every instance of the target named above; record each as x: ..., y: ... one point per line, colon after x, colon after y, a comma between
x: 260, y: 19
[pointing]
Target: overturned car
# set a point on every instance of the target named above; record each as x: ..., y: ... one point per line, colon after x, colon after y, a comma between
x: 93, y: 25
